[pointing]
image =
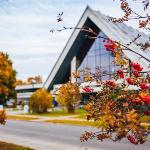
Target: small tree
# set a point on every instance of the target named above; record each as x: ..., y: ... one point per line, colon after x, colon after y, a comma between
x: 69, y: 96
x: 40, y: 101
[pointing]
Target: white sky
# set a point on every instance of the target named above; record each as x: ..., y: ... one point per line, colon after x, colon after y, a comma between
x: 25, y: 26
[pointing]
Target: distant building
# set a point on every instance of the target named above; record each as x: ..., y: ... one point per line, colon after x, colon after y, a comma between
x: 25, y: 91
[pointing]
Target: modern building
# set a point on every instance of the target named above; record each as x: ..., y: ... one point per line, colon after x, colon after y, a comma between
x: 25, y: 91
x: 81, y: 52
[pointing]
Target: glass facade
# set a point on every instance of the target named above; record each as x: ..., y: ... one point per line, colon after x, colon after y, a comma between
x: 99, y: 58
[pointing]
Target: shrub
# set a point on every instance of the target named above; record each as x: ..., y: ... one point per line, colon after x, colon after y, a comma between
x: 40, y: 101
x: 69, y: 96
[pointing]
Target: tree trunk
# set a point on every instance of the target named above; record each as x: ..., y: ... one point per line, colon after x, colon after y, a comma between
x: 70, y: 108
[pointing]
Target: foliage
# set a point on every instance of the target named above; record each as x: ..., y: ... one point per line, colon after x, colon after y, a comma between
x: 8, y: 146
x: 144, y: 21
x: 117, y: 113
x: 2, y: 117
x: 69, y: 96
x: 36, y: 79
x: 30, y: 80
x: 40, y: 101
x: 7, y: 78
x: 118, y: 107
x: 120, y: 103
x: 19, y: 82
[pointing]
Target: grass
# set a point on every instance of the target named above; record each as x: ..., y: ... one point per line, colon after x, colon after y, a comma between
x: 145, y: 119
x: 73, y: 122
x: 15, y: 109
x: 59, y: 113
x: 81, y: 116
x: 8, y: 146
x: 81, y: 123
x: 15, y: 117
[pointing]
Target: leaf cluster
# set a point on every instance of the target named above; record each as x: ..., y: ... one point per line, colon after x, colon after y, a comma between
x: 69, y: 95
x: 40, y: 101
x: 7, y: 78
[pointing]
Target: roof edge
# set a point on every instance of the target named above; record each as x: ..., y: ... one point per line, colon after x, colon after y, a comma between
x: 77, y: 25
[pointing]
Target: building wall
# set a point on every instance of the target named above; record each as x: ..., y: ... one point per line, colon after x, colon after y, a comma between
x: 25, y: 91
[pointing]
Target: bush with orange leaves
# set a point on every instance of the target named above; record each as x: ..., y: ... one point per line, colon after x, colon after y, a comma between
x: 118, y: 107
x: 69, y: 96
x: 40, y: 101
x: 120, y: 103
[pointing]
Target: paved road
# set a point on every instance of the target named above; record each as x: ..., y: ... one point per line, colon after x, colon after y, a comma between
x: 45, y: 136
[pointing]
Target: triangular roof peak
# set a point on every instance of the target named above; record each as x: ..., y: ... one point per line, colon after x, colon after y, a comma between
x: 119, y: 32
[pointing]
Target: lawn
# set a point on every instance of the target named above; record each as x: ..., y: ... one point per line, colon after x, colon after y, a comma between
x: 81, y: 123
x: 81, y: 116
x: 73, y: 122
x: 8, y: 146
x: 15, y: 117
x: 145, y: 119
x: 59, y: 113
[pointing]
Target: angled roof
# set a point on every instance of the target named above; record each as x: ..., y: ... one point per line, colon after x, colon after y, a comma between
x: 99, y: 22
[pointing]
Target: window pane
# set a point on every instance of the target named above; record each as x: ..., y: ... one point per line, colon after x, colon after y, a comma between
x: 98, y: 56
x: 91, y: 62
x: 98, y: 61
x: 104, y: 60
x: 91, y: 53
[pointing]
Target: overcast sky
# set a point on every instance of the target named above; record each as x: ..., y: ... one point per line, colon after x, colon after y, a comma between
x: 25, y: 25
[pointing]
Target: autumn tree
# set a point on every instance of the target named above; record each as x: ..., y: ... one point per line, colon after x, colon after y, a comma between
x: 7, y: 78
x: 30, y: 80
x: 40, y: 101
x: 69, y: 96
x: 120, y: 103
x: 118, y: 107
x: 34, y: 80
x: 19, y: 82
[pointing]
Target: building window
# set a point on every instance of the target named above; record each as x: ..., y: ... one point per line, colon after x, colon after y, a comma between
x: 99, y: 57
